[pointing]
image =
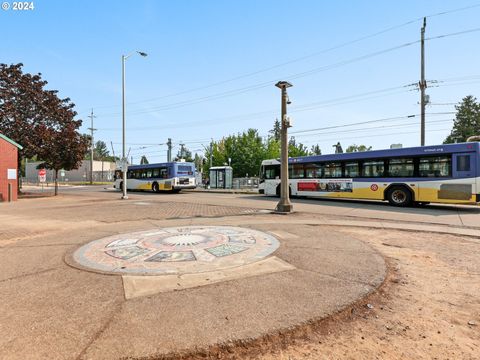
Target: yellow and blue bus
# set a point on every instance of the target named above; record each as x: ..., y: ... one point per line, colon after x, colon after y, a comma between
x: 169, y: 176
x: 428, y: 174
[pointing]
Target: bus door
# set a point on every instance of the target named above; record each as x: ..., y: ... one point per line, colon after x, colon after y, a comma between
x: 463, y: 167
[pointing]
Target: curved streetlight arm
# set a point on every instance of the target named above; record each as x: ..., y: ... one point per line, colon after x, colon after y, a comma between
x: 141, y: 53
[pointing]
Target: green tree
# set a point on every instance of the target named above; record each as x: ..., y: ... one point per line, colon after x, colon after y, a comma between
x: 244, y: 151
x: 100, y: 151
x: 143, y: 160
x: 272, y: 148
x: 467, y: 120
x: 198, y: 161
x: 358, y: 148
x: 296, y: 149
x: 315, y: 150
x: 249, y: 153
x: 276, y: 131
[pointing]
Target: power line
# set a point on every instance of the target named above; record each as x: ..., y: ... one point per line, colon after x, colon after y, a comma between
x: 323, y: 51
x: 394, y: 133
x: 398, y: 118
x: 394, y: 126
x: 368, y: 122
x: 290, y: 77
x: 295, y: 109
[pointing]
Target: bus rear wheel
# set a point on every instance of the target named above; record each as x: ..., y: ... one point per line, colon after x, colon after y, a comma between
x: 155, y: 187
x: 399, y: 196
x: 121, y: 186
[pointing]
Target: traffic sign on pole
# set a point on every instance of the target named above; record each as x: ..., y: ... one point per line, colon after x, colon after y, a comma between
x: 42, y: 175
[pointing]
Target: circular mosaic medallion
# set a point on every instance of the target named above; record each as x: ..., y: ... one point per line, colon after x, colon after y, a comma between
x: 176, y: 250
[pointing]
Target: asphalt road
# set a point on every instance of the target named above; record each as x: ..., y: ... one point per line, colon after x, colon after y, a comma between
x: 452, y: 215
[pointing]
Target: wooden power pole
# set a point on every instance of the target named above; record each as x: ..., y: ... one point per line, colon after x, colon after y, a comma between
x: 422, y: 84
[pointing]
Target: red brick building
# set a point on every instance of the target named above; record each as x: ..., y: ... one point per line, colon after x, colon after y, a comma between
x: 8, y: 168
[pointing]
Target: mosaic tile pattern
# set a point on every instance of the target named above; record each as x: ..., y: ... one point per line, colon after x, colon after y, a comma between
x: 176, y: 250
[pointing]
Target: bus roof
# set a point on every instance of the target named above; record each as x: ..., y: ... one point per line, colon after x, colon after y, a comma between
x: 150, y: 166
x: 412, y: 151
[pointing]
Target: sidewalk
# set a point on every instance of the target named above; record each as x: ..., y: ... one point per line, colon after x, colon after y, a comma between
x: 52, y: 310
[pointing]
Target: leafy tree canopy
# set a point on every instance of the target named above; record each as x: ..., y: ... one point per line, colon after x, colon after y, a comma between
x: 296, y: 149
x: 100, y: 152
x: 315, y: 150
x: 467, y: 120
x: 358, y: 148
x: 245, y: 151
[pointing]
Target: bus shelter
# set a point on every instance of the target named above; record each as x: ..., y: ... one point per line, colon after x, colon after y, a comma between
x: 221, y: 177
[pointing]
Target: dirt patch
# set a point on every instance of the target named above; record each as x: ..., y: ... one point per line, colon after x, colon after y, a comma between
x: 427, y: 309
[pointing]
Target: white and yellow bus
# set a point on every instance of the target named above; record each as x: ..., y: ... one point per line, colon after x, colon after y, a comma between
x: 169, y: 176
x: 427, y: 174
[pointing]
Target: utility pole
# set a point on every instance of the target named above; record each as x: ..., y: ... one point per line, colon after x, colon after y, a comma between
x: 422, y: 84
x: 113, y: 150
x: 182, y: 149
x: 91, y: 116
x: 284, y: 205
x: 211, y: 153
x: 169, y: 151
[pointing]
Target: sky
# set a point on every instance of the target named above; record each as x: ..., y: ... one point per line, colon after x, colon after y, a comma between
x: 212, y: 66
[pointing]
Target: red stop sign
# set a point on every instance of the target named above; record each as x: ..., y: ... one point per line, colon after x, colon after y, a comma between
x: 42, y: 172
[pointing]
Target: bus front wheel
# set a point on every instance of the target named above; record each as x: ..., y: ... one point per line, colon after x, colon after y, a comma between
x: 155, y: 187
x: 399, y: 196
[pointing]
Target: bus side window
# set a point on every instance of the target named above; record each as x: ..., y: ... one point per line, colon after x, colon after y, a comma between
x: 463, y: 163
x: 333, y: 170
x: 164, y: 173
x: 435, y: 166
x: 373, y: 168
x: 313, y: 170
x: 401, y: 167
x: 351, y: 169
x: 298, y: 172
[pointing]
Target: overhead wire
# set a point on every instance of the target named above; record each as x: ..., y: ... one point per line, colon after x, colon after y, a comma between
x: 323, y: 51
x: 290, y: 77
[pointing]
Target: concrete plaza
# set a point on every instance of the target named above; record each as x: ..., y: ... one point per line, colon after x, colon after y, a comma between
x: 51, y: 309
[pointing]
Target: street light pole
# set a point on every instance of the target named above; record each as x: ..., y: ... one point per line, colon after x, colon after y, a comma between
x: 91, y: 116
x: 124, y: 156
x: 284, y: 205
